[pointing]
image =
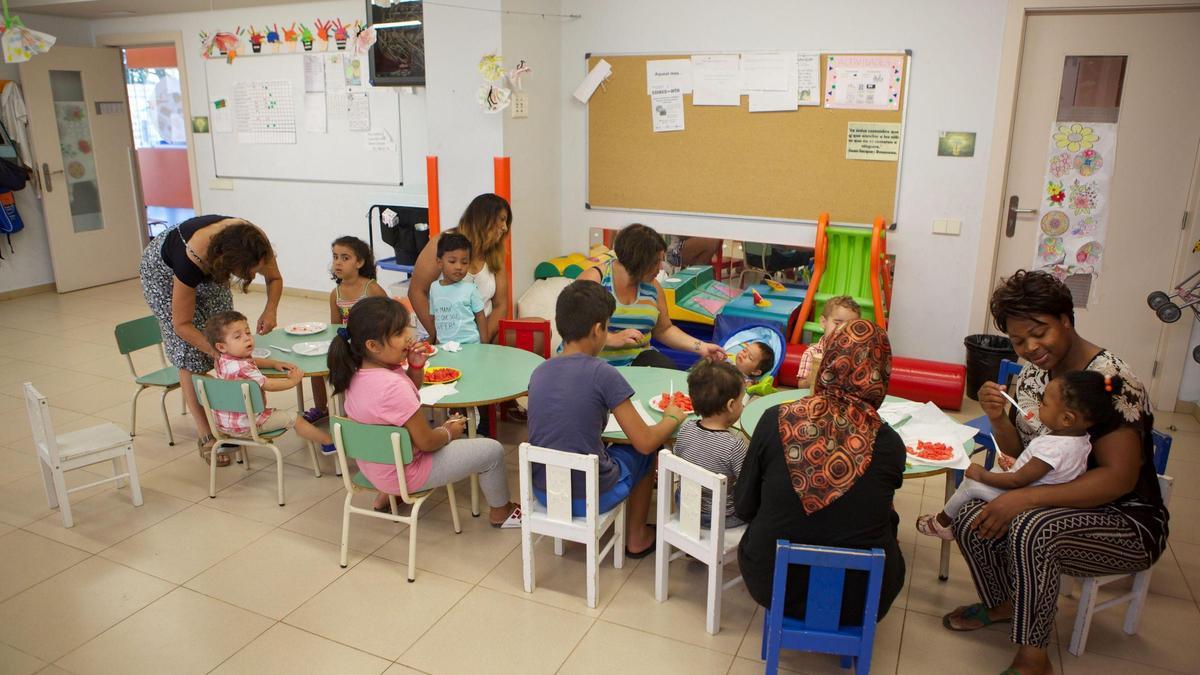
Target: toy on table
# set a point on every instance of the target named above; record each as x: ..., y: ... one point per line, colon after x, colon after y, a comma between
x: 775, y: 285
x: 256, y: 40
x: 759, y: 300
x: 306, y: 38
x: 291, y: 35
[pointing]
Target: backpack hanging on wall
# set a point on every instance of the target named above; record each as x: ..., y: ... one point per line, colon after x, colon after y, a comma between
x: 10, y: 220
x: 13, y: 176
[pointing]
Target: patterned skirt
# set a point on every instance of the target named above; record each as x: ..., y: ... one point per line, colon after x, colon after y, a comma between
x: 157, y: 282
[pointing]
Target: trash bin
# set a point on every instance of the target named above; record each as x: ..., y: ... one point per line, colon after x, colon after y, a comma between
x: 984, y: 354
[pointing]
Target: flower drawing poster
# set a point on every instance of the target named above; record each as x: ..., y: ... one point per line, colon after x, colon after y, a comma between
x: 1073, y: 215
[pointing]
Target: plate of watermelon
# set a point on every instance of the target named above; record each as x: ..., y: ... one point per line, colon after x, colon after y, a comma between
x: 442, y: 375
x: 680, y: 399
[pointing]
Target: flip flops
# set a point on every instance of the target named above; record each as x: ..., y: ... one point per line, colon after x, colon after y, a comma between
x: 978, y: 612
x: 649, y: 550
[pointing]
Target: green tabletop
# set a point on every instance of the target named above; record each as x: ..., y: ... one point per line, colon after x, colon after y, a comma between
x: 490, y: 374
x: 311, y: 365
x: 754, y: 411
x: 648, y: 384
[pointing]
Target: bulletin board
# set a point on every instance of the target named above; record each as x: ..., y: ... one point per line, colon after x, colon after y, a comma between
x: 731, y: 162
x: 338, y: 155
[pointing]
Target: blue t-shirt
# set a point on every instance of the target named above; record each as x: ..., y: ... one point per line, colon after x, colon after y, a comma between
x: 569, y: 401
x: 453, y: 308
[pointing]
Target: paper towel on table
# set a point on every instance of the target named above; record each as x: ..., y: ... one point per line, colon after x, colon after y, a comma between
x: 896, y: 413
x: 431, y: 394
x: 615, y: 428
x: 953, y: 434
x: 452, y: 347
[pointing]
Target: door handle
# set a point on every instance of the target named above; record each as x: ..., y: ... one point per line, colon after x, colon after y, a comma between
x: 46, y: 173
x: 1011, y: 228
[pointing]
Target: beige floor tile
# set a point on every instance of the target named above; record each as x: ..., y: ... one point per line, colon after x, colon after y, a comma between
x: 187, y: 477
x: 1185, y: 520
x: 909, y: 506
x: 324, y: 521
x: 11, y: 405
x: 743, y: 666
x: 468, y: 556
x: 682, y: 616
x: 525, y: 637
x: 53, y: 670
x: 29, y: 558
x: 17, y: 430
x: 74, y: 353
x: 187, y: 543
x: 17, y: 465
x: 372, y: 607
x: 398, y: 669
x: 1166, y: 636
x: 108, y: 367
x: 183, y: 632
x: 256, y: 496
x: 108, y: 517
x: 273, y: 575
x: 561, y: 582
x: 93, y: 398
x: 1093, y: 664
x: 286, y: 650
x: 23, y: 501
x: 1181, y: 421
x: 17, y: 371
x: 883, y: 656
x: 70, y: 608
x: 928, y: 647
x: 16, y: 662
x: 51, y: 382
x: 1188, y: 557
x: 611, y: 648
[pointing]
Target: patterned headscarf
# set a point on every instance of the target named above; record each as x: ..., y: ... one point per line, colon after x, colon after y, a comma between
x: 828, y: 437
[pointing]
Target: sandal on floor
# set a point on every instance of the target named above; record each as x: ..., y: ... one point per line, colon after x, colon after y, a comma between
x: 649, y: 550
x: 205, y: 448
x: 978, y: 612
x: 929, y: 526
x: 513, y: 521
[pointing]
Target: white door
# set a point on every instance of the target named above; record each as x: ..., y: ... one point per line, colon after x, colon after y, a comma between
x: 79, y: 127
x: 1158, y: 129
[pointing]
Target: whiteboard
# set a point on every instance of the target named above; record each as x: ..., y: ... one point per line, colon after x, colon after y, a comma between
x: 338, y: 155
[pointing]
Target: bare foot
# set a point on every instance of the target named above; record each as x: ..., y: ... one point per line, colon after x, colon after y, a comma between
x: 1030, y: 661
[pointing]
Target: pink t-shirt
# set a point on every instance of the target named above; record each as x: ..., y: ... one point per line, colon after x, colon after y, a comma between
x: 383, y: 396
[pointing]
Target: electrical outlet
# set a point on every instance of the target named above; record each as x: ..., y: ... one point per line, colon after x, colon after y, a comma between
x: 520, y: 105
x: 939, y: 226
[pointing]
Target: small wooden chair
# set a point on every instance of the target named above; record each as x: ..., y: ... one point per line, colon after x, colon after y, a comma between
x: 134, y: 336
x: 385, y: 445
x: 60, y: 454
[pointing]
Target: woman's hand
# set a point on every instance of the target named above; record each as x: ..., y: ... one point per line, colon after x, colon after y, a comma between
x: 991, y: 399
x: 995, y: 516
x: 267, y: 322
x: 624, y: 338
x: 418, y: 355
x: 712, y: 352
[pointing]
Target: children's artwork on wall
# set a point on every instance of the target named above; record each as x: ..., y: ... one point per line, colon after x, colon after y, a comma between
x: 863, y: 82
x: 398, y: 56
x: 492, y: 95
x: 223, y: 42
x: 256, y: 40
x: 1078, y: 174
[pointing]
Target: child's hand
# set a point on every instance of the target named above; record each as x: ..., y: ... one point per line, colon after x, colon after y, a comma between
x: 456, y: 426
x: 675, y: 413
x: 294, y: 374
x: 1004, y: 461
x: 418, y: 354
x: 975, y: 471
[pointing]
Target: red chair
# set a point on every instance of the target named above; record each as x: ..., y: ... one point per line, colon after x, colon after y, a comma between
x: 522, y: 334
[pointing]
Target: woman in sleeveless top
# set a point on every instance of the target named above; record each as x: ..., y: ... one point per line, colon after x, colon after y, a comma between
x: 186, y: 272
x: 485, y: 223
x: 641, y: 312
x: 1110, y: 520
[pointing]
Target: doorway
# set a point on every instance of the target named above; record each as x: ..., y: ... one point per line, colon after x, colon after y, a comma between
x: 159, y: 126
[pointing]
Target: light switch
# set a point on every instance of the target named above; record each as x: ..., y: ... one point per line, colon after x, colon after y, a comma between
x: 939, y: 226
x: 220, y: 184
x: 953, y: 226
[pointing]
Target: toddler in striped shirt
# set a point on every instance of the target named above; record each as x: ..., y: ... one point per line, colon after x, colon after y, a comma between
x: 716, y: 389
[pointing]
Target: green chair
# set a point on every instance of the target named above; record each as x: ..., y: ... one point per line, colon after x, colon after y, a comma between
x: 384, y: 445
x: 240, y: 396
x: 134, y: 336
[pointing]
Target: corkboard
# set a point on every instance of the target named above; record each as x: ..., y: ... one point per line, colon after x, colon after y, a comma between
x: 728, y: 161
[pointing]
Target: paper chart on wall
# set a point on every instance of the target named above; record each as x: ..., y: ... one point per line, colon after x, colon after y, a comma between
x: 1074, y: 216
x: 358, y: 112
x: 315, y: 113
x: 863, y: 82
x: 779, y: 101
x: 669, y: 74
x: 265, y: 112
x: 666, y: 110
x: 808, y: 78
x: 335, y: 72
x: 766, y: 71
x: 314, y: 72
x: 716, y: 80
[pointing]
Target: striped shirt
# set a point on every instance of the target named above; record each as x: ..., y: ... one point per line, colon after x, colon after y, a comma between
x: 720, y: 451
x: 641, y: 315
x: 345, y: 304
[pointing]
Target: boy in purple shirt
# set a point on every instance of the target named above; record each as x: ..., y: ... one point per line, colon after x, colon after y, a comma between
x: 570, y: 397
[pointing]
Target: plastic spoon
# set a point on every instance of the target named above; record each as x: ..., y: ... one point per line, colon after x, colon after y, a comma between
x: 1026, y: 415
x: 282, y: 349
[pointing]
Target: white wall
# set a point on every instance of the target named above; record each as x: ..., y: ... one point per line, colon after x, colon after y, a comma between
x: 956, y: 53
x: 30, y: 265
x: 533, y: 142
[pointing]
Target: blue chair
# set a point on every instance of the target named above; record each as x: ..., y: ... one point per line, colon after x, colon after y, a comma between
x: 1162, y: 450
x: 821, y: 630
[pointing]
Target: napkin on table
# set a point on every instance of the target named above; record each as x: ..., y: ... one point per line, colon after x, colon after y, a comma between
x: 431, y: 394
x: 615, y: 428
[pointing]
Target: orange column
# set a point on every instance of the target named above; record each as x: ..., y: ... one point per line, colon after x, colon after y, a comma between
x: 502, y: 170
x: 431, y: 185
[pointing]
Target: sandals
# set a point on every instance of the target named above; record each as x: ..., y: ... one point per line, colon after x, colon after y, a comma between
x: 929, y: 526
x: 513, y: 521
x: 649, y: 550
x: 977, y: 612
x: 205, y: 448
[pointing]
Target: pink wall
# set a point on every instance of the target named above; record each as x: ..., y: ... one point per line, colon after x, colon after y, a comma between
x: 165, y: 179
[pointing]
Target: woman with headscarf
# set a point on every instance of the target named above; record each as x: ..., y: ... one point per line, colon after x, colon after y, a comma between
x: 823, y: 471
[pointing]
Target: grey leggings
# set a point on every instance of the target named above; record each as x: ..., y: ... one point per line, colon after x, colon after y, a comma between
x: 458, y: 459
x: 968, y: 490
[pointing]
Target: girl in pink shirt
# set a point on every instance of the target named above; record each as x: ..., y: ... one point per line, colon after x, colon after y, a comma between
x: 371, y: 360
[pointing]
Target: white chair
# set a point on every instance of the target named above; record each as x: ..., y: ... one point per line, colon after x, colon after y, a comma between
x: 555, y: 519
x: 715, y: 547
x: 59, y: 454
x: 1089, y: 590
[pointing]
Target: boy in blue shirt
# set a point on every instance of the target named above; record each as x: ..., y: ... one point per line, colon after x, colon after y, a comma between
x: 455, y: 304
x: 570, y: 397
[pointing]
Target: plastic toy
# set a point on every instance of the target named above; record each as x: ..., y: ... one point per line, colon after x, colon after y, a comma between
x: 1169, y: 307
x: 849, y: 261
x: 759, y: 300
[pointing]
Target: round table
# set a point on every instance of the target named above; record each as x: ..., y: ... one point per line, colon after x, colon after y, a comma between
x: 754, y: 412
x: 313, y: 366
x: 648, y: 383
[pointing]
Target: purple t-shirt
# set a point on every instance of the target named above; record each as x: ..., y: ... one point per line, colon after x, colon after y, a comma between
x: 570, y: 397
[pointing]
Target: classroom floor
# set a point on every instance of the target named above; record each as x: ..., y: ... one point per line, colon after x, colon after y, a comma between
x: 238, y: 584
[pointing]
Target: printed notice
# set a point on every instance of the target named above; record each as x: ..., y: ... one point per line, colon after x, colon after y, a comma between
x: 876, y: 141
x: 666, y: 110
x: 808, y: 78
x: 314, y: 73
x: 764, y: 72
x: 314, y: 112
x: 716, y: 80
x: 669, y: 74
x: 358, y: 112
x: 778, y: 101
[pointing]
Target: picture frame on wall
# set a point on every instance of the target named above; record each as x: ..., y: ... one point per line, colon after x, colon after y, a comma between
x: 397, y: 58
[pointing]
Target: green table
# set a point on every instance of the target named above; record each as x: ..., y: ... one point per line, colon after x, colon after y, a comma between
x: 648, y: 384
x: 490, y: 374
x: 313, y: 366
x: 754, y: 412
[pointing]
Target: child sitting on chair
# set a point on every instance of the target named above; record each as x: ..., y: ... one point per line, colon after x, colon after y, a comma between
x: 837, y: 311
x: 229, y: 333
x: 1073, y: 405
x: 716, y: 391
x: 456, y: 305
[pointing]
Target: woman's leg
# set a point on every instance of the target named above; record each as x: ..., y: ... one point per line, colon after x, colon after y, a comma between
x: 483, y: 456
x: 654, y: 359
x: 193, y: 404
x: 988, y: 561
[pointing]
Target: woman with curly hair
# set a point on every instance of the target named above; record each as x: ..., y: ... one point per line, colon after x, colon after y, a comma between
x: 186, y: 272
x: 1110, y: 520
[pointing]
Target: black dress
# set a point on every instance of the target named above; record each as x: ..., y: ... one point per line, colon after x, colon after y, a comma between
x: 862, y: 518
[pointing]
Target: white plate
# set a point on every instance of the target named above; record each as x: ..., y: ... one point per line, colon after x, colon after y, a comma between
x: 311, y: 348
x: 655, y: 406
x: 261, y: 353
x: 306, y: 328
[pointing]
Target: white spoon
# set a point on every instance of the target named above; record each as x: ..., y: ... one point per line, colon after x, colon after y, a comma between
x: 285, y: 349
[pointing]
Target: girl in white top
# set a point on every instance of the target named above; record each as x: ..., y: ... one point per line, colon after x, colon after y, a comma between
x: 1074, y: 406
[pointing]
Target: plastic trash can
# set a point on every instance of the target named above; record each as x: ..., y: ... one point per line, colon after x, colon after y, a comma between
x: 984, y: 354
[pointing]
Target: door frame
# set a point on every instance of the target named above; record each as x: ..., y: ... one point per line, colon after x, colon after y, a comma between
x: 1165, y: 386
x: 122, y: 40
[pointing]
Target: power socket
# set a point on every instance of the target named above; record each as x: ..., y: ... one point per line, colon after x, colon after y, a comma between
x: 520, y: 105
